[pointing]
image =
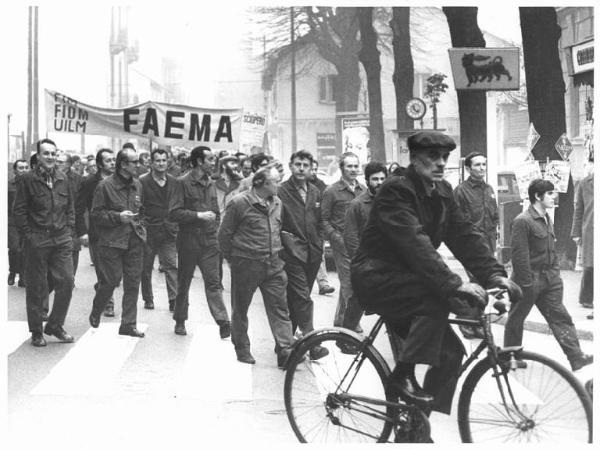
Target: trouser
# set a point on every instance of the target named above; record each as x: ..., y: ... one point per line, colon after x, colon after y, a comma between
x: 167, y: 257
x: 247, y: 275
x: 207, y: 259
x: 586, y: 292
x: 38, y: 262
x: 546, y: 293
x: 342, y: 265
x: 93, y: 247
x: 322, y: 280
x: 300, y: 281
x: 15, y: 261
x: 113, y: 265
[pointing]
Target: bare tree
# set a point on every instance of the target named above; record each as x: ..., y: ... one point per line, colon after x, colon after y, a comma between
x: 465, y: 32
x: 369, y: 57
x: 546, y: 101
x: 404, y: 76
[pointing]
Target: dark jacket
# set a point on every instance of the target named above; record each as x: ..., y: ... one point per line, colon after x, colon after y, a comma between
x: 194, y: 195
x: 156, y: 207
x: 83, y: 203
x: 318, y: 183
x: 397, y: 265
x: 336, y: 200
x: 14, y: 238
x: 478, y: 203
x: 75, y: 181
x: 114, y: 195
x: 250, y: 228
x: 356, y: 220
x: 301, y: 233
x: 532, y: 246
x: 43, y: 215
x: 583, y: 219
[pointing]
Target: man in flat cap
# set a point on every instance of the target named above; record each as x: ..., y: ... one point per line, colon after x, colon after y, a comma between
x: 399, y: 274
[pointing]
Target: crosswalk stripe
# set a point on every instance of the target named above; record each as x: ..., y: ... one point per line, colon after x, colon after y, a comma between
x: 91, y: 366
x: 17, y: 332
x: 211, y: 370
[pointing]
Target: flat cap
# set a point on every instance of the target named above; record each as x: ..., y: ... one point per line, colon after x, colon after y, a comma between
x: 422, y: 140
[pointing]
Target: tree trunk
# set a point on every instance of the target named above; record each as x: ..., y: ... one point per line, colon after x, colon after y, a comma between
x: 369, y: 57
x: 404, y: 71
x: 348, y: 83
x: 464, y: 32
x: 546, y: 104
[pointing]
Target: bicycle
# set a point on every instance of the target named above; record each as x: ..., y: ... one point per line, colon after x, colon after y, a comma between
x: 510, y: 395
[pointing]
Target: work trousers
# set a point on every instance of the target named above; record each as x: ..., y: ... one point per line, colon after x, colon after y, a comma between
x: 300, y: 281
x: 586, y: 292
x: 546, y: 293
x: 93, y: 247
x: 342, y: 265
x: 322, y: 280
x: 57, y: 260
x: 114, y: 264
x: 247, y: 275
x: 207, y: 259
x: 15, y: 261
x: 166, y: 250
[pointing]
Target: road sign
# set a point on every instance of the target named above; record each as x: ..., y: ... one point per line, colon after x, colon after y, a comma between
x: 485, y: 69
x: 564, y: 147
x: 532, y: 137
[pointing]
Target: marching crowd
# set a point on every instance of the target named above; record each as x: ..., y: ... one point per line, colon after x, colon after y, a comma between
x: 206, y: 209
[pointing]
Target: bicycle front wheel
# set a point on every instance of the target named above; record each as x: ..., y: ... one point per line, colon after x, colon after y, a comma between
x: 334, y: 399
x: 543, y: 402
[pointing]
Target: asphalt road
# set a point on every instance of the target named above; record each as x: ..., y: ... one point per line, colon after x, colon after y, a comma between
x: 164, y: 390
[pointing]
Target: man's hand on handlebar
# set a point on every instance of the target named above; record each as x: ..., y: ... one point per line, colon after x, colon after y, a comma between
x: 473, y: 293
x: 514, y: 291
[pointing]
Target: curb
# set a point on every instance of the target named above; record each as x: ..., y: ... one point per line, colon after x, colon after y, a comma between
x: 539, y: 327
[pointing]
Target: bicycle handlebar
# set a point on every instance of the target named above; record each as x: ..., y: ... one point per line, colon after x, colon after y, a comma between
x: 497, y: 300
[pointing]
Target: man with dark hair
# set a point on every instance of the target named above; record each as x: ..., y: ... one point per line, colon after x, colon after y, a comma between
x: 145, y: 163
x: 128, y: 145
x: 249, y: 238
x: 246, y: 167
x: 477, y: 200
x: 117, y: 210
x: 15, y: 239
x: 398, y: 273
x: 76, y: 164
x: 159, y: 188
x: 44, y: 212
x: 257, y: 160
x: 336, y: 200
x: 354, y: 224
x: 88, y: 232
x: 536, y: 271
x: 195, y: 208
x: 301, y: 237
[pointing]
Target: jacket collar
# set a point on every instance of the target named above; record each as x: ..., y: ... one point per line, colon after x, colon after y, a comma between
x: 536, y: 215
x: 54, y: 173
x: 473, y: 182
x: 424, y: 189
x: 122, y: 182
x: 195, y: 179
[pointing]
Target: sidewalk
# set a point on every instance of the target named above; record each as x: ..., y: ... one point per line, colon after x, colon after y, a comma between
x: 535, y: 321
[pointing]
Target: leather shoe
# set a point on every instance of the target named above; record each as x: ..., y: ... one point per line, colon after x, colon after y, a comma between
x: 37, y: 340
x: 130, y: 330
x: 318, y: 352
x: 347, y: 349
x: 588, y: 305
x: 582, y: 361
x: 59, y: 333
x: 149, y: 305
x: 408, y: 390
x: 180, y: 328
x: 94, y: 320
x: 11, y: 279
x: 225, y: 329
x: 246, y: 357
x: 21, y: 282
x: 326, y: 290
x: 109, y: 311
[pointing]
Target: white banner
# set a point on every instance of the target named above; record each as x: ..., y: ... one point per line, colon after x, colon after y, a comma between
x: 253, y: 131
x: 166, y: 124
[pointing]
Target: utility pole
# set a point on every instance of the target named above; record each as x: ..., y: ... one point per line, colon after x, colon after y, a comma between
x: 29, y: 79
x: 8, y: 116
x: 293, y: 79
x: 36, y: 90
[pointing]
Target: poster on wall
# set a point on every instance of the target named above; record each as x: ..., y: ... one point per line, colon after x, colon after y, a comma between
x: 252, y: 131
x: 525, y: 173
x: 355, y: 136
x: 557, y: 172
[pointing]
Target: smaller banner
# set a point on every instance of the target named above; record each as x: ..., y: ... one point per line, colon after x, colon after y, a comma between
x: 564, y: 147
x: 166, y: 124
x: 525, y: 173
x: 487, y: 69
x: 252, y: 132
x: 557, y: 172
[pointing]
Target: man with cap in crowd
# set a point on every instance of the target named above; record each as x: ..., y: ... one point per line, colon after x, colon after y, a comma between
x: 15, y: 240
x: 399, y: 274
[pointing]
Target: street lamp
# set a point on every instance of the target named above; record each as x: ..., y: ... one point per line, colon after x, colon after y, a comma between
x: 8, y: 116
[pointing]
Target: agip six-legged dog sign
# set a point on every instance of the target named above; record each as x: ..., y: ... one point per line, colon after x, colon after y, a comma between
x: 485, y: 69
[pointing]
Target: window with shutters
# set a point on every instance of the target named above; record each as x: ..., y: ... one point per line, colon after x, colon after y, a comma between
x: 327, y: 85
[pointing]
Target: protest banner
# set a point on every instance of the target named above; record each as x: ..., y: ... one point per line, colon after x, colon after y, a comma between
x: 525, y: 173
x: 252, y: 131
x: 557, y: 172
x: 164, y: 123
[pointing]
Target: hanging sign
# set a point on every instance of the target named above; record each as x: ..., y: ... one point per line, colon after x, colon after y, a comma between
x: 557, y: 172
x: 532, y: 137
x: 525, y: 173
x: 487, y: 69
x: 564, y: 147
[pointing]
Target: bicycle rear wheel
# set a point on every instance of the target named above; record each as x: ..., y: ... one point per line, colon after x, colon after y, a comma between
x: 550, y: 404
x: 319, y: 394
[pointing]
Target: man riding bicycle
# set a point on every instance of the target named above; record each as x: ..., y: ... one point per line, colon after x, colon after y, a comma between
x: 399, y: 274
